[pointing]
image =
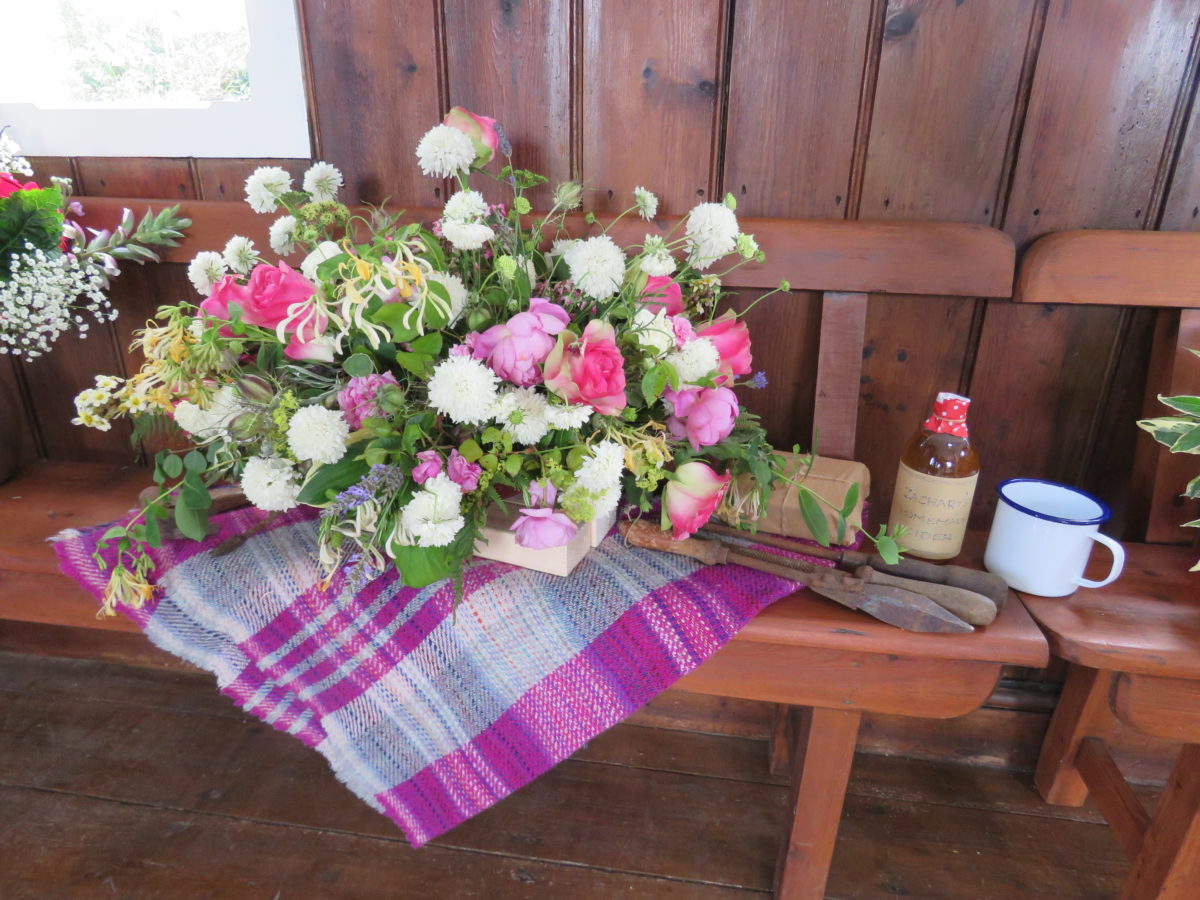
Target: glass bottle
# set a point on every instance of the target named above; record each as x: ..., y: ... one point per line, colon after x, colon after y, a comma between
x: 935, y: 483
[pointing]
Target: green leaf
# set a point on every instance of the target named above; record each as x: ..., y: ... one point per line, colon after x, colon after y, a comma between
x: 421, y: 566
x: 172, y: 466
x: 191, y: 522
x: 512, y: 464
x: 850, y: 502
x: 391, y: 315
x: 470, y: 451
x: 888, y: 549
x: 358, y: 365
x: 1188, y: 442
x: 29, y: 216
x: 193, y: 493
x: 332, y: 478
x: 654, y: 382
x: 194, y: 462
x: 116, y: 531
x: 1189, y: 405
x: 814, y: 518
x: 1193, y: 488
x: 153, y: 532
x: 428, y: 345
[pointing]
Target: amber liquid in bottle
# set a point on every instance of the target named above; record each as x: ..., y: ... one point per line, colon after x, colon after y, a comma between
x: 935, y: 485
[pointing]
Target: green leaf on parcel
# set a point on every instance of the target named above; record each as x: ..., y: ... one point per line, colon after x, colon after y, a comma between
x: 333, y: 477
x: 814, y: 518
x: 29, y: 216
x: 851, y: 501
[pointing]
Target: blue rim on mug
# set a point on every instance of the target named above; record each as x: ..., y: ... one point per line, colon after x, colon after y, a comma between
x: 1105, y: 512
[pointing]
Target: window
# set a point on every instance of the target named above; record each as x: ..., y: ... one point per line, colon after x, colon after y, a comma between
x: 158, y: 78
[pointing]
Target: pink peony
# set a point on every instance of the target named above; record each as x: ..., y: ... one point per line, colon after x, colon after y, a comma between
x: 358, y: 399
x: 588, y: 369
x: 516, y: 349
x: 430, y: 465
x: 463, y: 472
x: 691, y: 495
x: 482, y: 131
x: 663, y: 292
x: 705, y: 416
x: 683, y: 329
x: 540, y: 527
x: 9, y: 185
x: 732, y: 339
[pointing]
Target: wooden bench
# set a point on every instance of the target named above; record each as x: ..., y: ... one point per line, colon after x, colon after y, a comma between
x: 828, y: 664
x: 1133, y: 648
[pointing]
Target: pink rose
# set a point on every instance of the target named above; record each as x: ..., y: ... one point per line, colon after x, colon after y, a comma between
x: 272, y: 291
x: 482, y: 131
x: 691, y: 495
x: 663, y: 292
x: 224, y: 292
x: 463, y: 472
x: 588, y: 369
x: 705, y: 416
x: 430, y: 465
x: 732, y: 339
x: 9, y: 185
x: 358, y: 400
x: 516, y: 349
x: 540, y: 527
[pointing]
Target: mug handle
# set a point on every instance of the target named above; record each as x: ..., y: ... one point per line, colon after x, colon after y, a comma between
x: 1118, y: 565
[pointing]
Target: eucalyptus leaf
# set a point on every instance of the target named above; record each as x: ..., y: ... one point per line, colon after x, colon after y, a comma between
x: 358, y: 365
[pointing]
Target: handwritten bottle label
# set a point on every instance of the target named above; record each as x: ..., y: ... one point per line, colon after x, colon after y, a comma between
x: 935, y: 511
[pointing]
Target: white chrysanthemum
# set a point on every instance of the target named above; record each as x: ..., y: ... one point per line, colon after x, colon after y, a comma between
x: 240, y: 254
x: 568, y: 416
x: 601, y: 471
x: 658, y: 264
x: 647, y: 203
x: 466, y: 235
x: 711, y: 233
x: 456, y: 289
x: 322, y: 181
x: 654, y: 331
x: 282, y: 235
x: 434, y: 515
x: 205, y: 270
x: 561, y: 246
x: 465, y: 206
x: 597, y: 266
x: 445, y: 151
x: 694, y: 360
x: 323, y: 251
x: 191, y: 418
x: 463, y: 389
x: 270, y: 484
x: 318, y: 434
x: 522, y: 413
x: 265, y: 186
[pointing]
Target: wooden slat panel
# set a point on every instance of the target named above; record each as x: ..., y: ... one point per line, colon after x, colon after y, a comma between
x: 1182, y: 209
x: 1094, y: 139
x: 890, y: 257
x: 225, y: 179
x: 1165, y: 707
x: 511, y: 61
x: 46, y: 166
x: 166, y: 178
x: 789, y: 148
x: 839, y: 367
x: 373, y: 70
x: 650, y: 101
x: 948, y: 78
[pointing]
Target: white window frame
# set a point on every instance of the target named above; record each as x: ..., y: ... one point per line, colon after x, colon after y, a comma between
x: 273, y: 123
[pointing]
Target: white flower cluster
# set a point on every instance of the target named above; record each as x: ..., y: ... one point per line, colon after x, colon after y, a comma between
x: 434, y: 515
x: 265, y: 186
x: 599, y: 475
x: 646, y: 202
x: 45, y: 296
x: 656, y: 258
x: 11, y: 160
x: 240, y: 254
x: 456, y: 289
x: 322, y: 182
x: 694, y: 360
x: 712, y: 230
x: 463, y: 389
x: 445, y: 151
x: 462, y: 220
x: 597, y: 266
x: 282, y: 235
x: 271, y: 483
x: 93, y: 405
x: 523, y: 413
x: 316, y: 434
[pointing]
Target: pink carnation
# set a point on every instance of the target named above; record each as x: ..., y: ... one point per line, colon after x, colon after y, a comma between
x: 463, y: 472
x: 430, y: 465
x: 358, y: 400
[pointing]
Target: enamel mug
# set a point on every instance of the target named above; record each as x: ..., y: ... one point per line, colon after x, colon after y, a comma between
x: 1042, y: 536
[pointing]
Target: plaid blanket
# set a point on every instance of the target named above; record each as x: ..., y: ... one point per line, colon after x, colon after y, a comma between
x: 428, y: 712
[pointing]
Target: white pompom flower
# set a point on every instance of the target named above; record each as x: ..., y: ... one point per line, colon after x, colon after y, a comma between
x: 270, y: 483
x: 694, y: 360
x: 317, y: 434
x: 466, y: 206
x: 205, y: 270
x: 282, y: 235
x: 647, y: 203
x: 433, y: 517
x: 466, y: 235
x: 265, y: 186
x: 445, y: 151
x: 654, y: 331
x: 522, y: 413
x: 463, y: 389
x: 240, y: 255
x: 597, y: 266
x: 712, y: 230
x: 322, y: 182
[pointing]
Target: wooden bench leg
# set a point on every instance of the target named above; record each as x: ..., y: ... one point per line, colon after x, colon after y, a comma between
x: 822, y: 754
x: 1168, y: 868
x: 779, y: 748
x: 1082, y: 712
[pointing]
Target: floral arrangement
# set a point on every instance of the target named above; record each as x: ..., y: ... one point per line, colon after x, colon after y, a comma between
x: 51, y: 272
x: 1180, y: 434
x: 407, y: 379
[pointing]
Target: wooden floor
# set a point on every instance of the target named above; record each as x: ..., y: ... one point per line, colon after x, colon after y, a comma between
x: 125, y: 781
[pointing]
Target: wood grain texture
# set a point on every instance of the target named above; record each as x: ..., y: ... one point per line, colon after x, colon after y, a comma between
x: 225, y: 179
x: 1082, y: 712
x: 166, y: 178
x: 788, y: 152
x: 839, y: 368
x: 1181, y: 212
x: 1168, y: 867
x: 1161, y: 706
x: 375, y: 77
x: 664, y: 78
x: 500, y: 57
x: 1113, y: 795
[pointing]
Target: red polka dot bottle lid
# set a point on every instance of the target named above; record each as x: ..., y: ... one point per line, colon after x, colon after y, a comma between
x: 949, y: 415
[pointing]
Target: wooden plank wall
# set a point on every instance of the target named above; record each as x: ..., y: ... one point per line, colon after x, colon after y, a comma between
x: 1028, y: 115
